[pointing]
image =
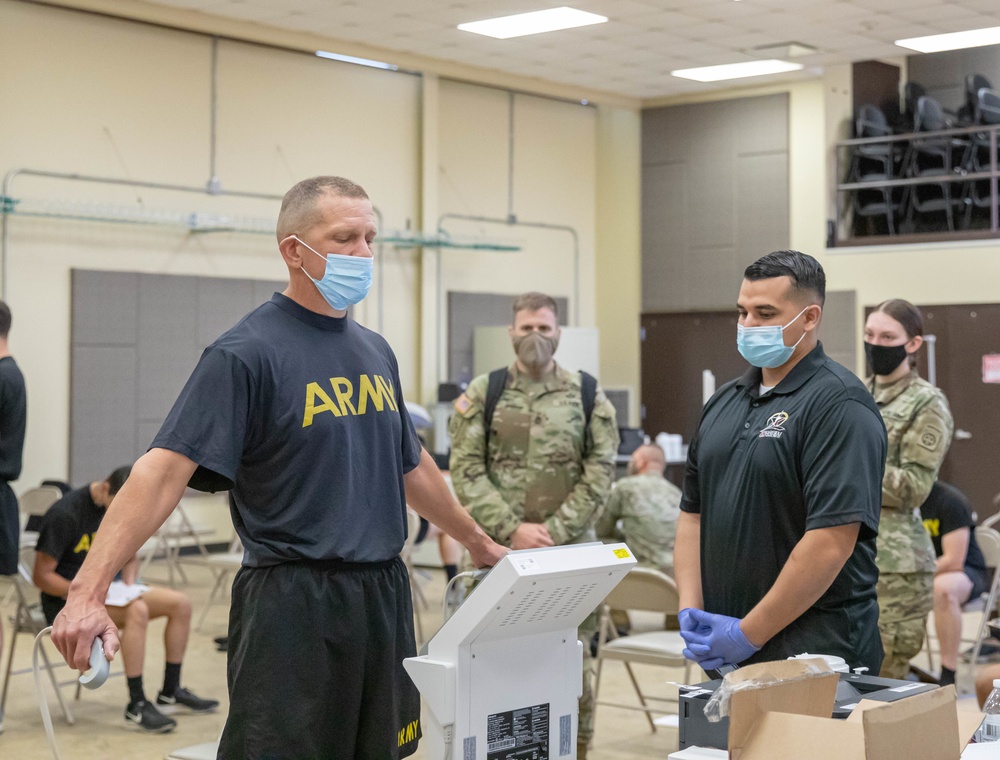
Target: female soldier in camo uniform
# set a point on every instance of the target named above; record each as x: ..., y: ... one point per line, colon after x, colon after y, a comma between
x: 919, y: 425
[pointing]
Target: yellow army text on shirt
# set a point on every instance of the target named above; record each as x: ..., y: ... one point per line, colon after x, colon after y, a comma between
x: 919, y: 424
x: 540, y: 467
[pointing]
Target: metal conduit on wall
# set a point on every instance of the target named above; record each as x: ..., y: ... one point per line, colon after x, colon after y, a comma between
x: 8, y: 209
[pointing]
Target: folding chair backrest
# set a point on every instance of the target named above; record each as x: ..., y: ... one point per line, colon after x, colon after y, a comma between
x: 989, y: 543
x: 871, y: 122
x: 647, y: 590
x: 930, y: 117
x: 988, y: 106
x: 36, y: 501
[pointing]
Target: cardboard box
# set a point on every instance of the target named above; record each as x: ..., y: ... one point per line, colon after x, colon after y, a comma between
x: 787, y: 717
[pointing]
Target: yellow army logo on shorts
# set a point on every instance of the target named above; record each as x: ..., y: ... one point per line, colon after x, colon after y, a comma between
x: 409, y: 732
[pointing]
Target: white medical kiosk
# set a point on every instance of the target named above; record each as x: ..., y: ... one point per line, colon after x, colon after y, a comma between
x: 502, y: 677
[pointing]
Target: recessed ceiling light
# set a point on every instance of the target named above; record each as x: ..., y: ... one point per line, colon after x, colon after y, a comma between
x: 536, y: 22
x: 737, y: 70
x: 935, y: 43
x: 359, y: 61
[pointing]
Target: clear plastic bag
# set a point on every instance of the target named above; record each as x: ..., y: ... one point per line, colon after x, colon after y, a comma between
x: 718, y: 706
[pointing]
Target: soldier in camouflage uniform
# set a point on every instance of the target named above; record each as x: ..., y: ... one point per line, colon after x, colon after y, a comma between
x: 919, y: 425
x: 544, y: 477
x: 647, y: 506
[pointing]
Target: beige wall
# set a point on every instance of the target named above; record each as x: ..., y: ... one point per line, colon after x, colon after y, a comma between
x: 619, y: 250
x: 92, y: 94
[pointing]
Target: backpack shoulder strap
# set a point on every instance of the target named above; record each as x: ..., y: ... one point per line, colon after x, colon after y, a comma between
x: 588, y: 395
x: 498, y: 380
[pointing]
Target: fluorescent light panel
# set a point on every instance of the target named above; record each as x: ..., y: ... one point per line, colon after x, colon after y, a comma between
x: 935, y: 43
x: 359, y: 61
x: 737, y: 70
x: 536, y: 22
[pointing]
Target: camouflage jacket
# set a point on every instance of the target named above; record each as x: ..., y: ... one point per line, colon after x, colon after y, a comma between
x: 642, y: 511
x: 919, y: 424
x: 535, y: 470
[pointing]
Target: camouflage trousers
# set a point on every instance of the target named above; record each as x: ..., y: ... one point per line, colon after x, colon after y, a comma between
x: 904, y: 599
x: 586, y: 632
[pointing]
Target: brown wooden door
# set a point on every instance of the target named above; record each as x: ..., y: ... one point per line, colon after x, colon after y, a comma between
x: 676, y: 348
x: 964, y: 333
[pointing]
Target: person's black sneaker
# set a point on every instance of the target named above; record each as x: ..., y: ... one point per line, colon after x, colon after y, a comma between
x: 143, y: 715
x: 184, y: 698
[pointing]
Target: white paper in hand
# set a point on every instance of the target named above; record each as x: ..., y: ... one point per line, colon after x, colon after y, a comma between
x: 120, y: 594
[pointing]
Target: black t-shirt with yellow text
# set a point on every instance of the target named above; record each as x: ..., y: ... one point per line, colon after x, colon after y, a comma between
x: 68, y: 532
x: 302, y: 417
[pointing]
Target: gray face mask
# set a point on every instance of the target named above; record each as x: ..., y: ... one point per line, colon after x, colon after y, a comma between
x: 535, y: 350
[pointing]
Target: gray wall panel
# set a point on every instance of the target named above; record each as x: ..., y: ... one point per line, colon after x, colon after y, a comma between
x: 839, y: 329
x: 120, y: 394
x: 103, y: 404
x: 221, y: 304
x: 105, y: 305
x: 715, y: 197
x: 943, y: 74
x: 168, y: 347
x: 264, y: 289
x: 759, y: 214
x: 664, y: 228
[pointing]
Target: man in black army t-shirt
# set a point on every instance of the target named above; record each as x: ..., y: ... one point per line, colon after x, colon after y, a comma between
x: 298, y: 411
x: 13, y: 420
x: 960, y: 572
x: 63, y: 544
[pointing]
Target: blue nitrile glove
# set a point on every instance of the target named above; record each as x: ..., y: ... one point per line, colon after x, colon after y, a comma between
x: 714, y: 640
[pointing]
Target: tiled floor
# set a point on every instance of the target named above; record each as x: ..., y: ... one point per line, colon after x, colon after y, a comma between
x: 100, y: 733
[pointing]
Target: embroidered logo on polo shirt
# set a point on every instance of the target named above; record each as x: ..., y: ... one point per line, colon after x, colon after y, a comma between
x: 775, y: 426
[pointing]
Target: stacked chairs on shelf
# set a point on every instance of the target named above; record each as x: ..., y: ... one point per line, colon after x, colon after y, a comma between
x: 937, y: 159
x: 874, y: 162
x: 980, y: 156
x: 967, y: 114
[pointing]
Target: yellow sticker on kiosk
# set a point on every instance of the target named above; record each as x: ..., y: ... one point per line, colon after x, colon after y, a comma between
x: 622, y: 553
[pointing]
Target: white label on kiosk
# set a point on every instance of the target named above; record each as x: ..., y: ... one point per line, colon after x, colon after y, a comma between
x: 526, y: 565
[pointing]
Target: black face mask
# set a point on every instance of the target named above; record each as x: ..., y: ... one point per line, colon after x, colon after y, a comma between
x: 884, y: 359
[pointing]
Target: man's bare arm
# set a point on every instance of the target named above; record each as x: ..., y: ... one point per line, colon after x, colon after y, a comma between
x: 954, y: 547
x: 428, y: 496
x: 44, y: 576
x: 150, y: 494
x: 810, y: 570
x: 687, y: 560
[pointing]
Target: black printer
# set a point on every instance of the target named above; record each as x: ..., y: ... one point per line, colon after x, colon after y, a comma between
x: 697, y: 731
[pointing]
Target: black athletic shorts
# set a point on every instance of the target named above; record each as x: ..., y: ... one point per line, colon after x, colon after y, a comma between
x: 980, y: 582
x: 316, y: 663
x: 10, y: 531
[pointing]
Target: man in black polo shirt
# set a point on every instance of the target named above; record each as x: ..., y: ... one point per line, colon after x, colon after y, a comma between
x: 775, y: 552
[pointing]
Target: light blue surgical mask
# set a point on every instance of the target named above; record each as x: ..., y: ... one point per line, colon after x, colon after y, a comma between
x: 764, y: 346
x: 346, y: 280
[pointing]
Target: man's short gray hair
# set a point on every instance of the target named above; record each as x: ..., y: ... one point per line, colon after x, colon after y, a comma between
x: 298, y: 207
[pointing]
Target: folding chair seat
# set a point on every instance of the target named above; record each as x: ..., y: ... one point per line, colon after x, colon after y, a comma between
x: 989, y: 543
x: 29, y: 619
x: 646, y: 590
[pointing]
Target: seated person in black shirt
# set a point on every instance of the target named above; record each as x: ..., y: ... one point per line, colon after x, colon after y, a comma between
x: 960, y: 573
x: 65, y: 538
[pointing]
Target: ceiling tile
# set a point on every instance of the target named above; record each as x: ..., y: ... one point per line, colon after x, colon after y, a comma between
x: 634, y: 52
